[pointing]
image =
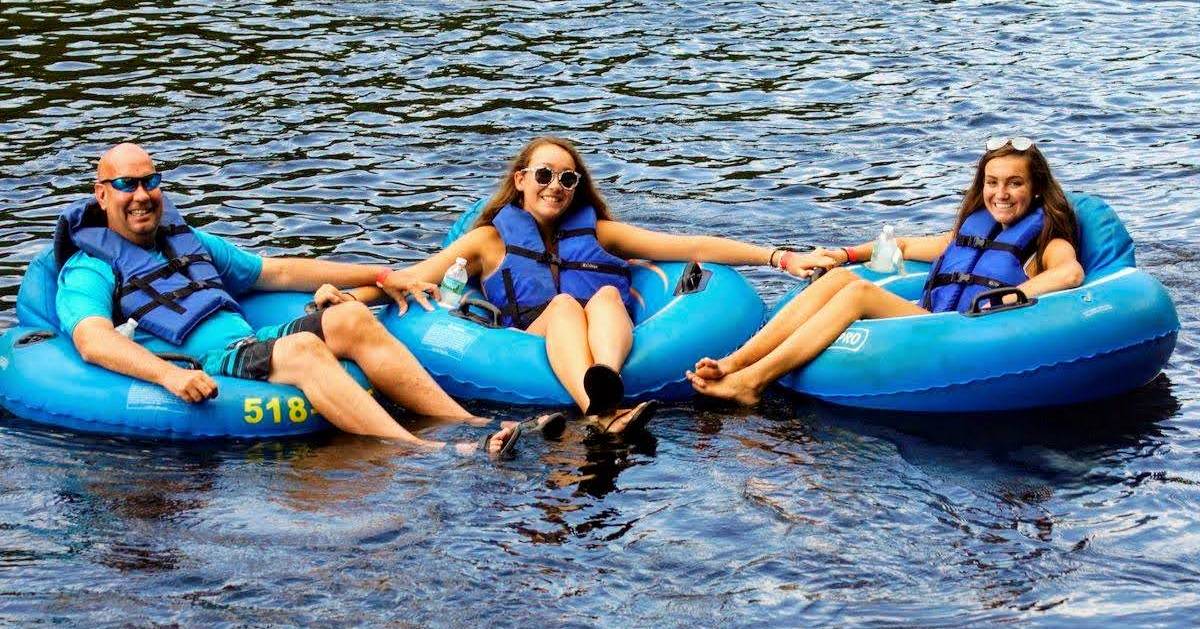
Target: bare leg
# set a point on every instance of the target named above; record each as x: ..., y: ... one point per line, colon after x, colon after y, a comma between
x: 352, y: 332
x: 783, y: 324
x: 304, y: 360
x: 609, y: 328
x: 565, y: 326
x: 857, y: 300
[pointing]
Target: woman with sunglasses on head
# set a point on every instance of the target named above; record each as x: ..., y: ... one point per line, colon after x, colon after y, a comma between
x: 1015, y: 227
x: 553, y: 260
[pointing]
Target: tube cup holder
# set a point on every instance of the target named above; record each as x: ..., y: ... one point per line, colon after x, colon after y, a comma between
x: 994, y: 299
x: 463, y: 311
x: 34, y: 337
x: 693, y: 280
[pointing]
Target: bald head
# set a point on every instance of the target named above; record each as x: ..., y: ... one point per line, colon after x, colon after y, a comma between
x: 134, y: 214
x: 124, y: 160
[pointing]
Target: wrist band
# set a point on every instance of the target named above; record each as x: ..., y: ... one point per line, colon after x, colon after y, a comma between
x: 783, y: 260
x: 849, y: 255
x: 771, y: 258
x: 381, y: 276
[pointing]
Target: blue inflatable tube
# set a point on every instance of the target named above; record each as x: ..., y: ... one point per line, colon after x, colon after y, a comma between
x: 1110, y: 335
x: 44, y: 380
x: 682, y: 312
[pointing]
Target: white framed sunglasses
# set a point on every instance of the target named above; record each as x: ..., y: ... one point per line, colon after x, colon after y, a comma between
x: 1019, y: 143
x: 544, y: 176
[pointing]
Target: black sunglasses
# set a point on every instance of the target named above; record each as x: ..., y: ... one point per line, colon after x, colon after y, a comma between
x: 130, y: 184
x: 568, y: 179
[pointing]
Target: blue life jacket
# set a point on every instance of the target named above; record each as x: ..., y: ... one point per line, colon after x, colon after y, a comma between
x: 529, y: 276
x: 167, y: 299
x: 983, y: 256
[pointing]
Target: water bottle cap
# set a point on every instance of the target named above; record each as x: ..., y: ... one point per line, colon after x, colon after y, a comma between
x: 460, y: 261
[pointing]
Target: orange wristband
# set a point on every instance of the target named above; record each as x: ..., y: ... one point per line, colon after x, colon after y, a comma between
x: 381, y: 276
x: 783, y: 260
x: 849, y: 255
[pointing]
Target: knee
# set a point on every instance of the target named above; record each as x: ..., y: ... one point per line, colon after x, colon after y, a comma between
x: 302, y: 348
x: 607, y: 295
x: 839, y: 274
x: 564, y: 303
x: 348, y: 320
x: 856, y: 290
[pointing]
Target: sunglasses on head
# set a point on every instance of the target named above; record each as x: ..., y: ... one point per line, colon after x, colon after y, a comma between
x: 1018, y: 143
x: 544, y: 176
x: 130, y: 184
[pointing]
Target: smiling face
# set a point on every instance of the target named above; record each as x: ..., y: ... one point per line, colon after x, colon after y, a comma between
x: 545, y: 203
x: 1007, y: 188
x: 134, y: 215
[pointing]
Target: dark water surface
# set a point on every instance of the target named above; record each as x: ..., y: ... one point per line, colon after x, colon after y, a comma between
x: 357, y: 130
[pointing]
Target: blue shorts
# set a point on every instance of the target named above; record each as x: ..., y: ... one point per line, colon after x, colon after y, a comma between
x: 250, y: 357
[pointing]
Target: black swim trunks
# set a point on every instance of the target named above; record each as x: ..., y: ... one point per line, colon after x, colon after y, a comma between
x: 250, y: 357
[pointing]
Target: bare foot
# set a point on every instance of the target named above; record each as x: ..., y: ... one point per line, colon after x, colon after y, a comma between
x: 709, y: 369
x: 735, y: 387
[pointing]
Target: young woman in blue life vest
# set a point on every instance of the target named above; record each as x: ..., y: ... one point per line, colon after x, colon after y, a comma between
x: 1015, y: 227
x: 552, y: 259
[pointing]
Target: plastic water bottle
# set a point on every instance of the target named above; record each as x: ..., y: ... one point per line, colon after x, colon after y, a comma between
x: 454, y: 284
x: 886, y: 256
x: 127, y: 329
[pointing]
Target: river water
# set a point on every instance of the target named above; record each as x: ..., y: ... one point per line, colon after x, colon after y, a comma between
x: 358, y: 130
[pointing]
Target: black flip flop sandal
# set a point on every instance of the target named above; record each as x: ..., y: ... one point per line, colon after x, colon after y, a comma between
x: 506, y: 451
x: 551, y: 429
x: 639, y: 417
x: 604, y: 388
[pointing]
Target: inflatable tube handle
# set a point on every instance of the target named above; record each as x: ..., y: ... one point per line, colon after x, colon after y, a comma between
x: 694, y: 279
x: 463, y: 311
x: 994, y: 297
x: 191, y: 363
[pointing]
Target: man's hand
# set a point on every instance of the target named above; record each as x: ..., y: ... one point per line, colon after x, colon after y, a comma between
x: 399, y: 285
x: 330, y: 295
x: 189, y: 385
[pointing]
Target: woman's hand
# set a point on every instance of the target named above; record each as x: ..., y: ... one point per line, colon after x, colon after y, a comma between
x: 803, y: 264
x: 400, y: 285
x: 330, y: 295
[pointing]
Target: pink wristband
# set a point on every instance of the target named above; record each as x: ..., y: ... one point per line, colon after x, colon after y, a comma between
x: 783, y: 260
x: 381, y: 276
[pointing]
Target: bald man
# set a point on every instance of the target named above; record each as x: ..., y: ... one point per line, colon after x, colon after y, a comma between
x: 194, y: 312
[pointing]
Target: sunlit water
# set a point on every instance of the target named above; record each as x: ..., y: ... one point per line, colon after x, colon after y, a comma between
x: 358, y: 130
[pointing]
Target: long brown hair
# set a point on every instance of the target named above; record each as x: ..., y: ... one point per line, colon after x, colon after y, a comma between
x: 586, y: 192
x: 1060, y: 221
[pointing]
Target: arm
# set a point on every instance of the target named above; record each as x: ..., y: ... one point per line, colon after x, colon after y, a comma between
x: 627, y: 241
x: 1062, y: 270
x: 422, y: 278
x: 922, y: 248
x: 100, y: 344
x: 309, y: 274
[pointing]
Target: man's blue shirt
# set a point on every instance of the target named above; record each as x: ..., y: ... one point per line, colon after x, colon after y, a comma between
x: 86, y: 285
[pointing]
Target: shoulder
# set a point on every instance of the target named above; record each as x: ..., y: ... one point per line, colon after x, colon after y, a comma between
x: 211, y: 242
x: 80, y: 265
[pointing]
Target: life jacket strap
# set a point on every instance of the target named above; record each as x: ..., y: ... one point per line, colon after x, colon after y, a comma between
x: 173, y: 265
x: 958, y: 277
x: 574, y: 233
x: 597, y: 267
x: 982, y: 243
x: 170, y: 299
x: 544, y: 257
x: 520, y: 317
